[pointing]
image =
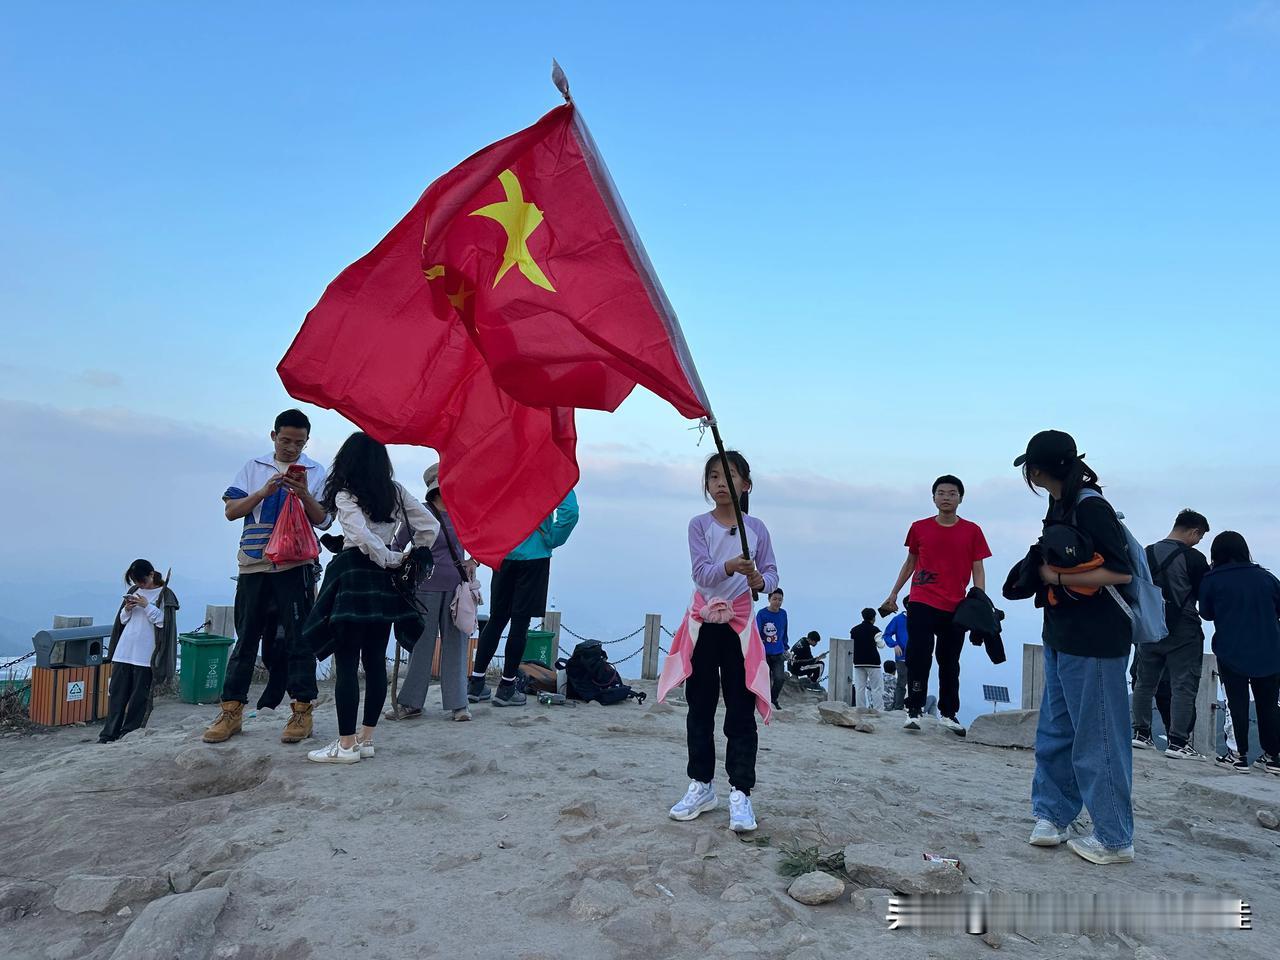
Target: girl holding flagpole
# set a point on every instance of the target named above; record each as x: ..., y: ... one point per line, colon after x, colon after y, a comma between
x: 718, y: 648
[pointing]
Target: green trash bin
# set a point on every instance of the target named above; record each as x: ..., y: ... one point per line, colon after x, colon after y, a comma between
x: 20, y: 688
x: 204, y: 666
x: 541, y: 646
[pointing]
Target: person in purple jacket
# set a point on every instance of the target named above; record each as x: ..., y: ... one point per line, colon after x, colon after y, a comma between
x: 718, y: 647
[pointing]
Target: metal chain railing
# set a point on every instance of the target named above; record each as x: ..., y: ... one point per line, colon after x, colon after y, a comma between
x: 498, y: 658
x: 14, y: 663
x: 603, y: 643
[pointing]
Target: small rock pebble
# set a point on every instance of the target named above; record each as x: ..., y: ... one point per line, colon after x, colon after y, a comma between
x: 815, y: 888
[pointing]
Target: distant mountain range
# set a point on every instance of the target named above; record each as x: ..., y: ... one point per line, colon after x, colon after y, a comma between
x: 31, y: 607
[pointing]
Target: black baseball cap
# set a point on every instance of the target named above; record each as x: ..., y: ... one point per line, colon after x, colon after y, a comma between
x: 1049, y: 448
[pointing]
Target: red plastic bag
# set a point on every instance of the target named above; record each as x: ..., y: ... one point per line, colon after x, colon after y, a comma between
x: 291, y: 539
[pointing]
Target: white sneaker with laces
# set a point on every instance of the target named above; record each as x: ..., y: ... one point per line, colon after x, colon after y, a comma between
x: 335, y: 753
x: 698, y: 799
x: 742, y: 819
x: 1045, y: 834
x: 1184, y: 752
x: 366, y: 749
x: 913, y: 723
x: 954, y: 725
x: 1091, y: 848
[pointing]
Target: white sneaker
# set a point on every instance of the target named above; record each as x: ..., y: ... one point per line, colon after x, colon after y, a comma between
x: 913, y: 723
x: 698, y: 799
x: 1045, y: 834
x: 366, y: 749
x: 742, y: 819
x: 1184, y: 752
x: 954, y: 725
x: 1090, y: 848
x: 335, y: 753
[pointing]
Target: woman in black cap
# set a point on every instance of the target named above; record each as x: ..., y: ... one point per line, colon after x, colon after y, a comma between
x: 1083, y: 754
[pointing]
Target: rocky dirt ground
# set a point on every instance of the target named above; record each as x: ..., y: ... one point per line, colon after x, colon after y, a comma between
x: 542, y: 833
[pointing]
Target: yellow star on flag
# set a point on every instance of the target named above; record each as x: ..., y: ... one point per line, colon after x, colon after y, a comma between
x: 519, y: 219
x: 459, y: 298
x: 434, y: 273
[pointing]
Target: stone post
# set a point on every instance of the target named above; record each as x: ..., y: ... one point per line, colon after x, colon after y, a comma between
x: 1032, y: 675
x: 221, y: 619
x: 551, y: 623
x: 61, y: 622
x: 840, y: 670
x: 652, y: 638
x: 1205, y: 735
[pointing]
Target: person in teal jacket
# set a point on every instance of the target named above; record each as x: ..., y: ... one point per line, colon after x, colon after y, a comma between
x: 518, y: 594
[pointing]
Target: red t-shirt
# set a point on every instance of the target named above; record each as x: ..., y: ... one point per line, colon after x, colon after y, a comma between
x: 944, y: 561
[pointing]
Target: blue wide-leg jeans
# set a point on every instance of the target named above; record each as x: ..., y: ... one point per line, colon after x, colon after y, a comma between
x: 1083, y: 754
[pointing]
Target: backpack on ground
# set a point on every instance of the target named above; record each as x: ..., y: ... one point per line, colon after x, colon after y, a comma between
x: 592, y: 677
x: 538, y: 677
x: 1140, y: 599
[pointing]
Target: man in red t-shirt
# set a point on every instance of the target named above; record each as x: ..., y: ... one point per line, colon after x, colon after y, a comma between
x: 943, y: 554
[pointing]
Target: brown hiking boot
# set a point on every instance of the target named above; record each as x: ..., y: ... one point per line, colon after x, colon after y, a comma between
x: 228, y: 723
x: 299, y: 726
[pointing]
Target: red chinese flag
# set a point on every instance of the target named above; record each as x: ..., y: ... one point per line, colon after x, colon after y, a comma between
x: 528, y: 243
x: 513, y: 291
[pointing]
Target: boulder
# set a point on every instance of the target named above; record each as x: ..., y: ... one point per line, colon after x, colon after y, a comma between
x: 839, y: 714
x: 180, y: 925
x: 1008, y: 728
x: 815, y: 887
x: 1268, y: 819
x: 86, y: 894
x: 738, y: 893
x: 882, y: 865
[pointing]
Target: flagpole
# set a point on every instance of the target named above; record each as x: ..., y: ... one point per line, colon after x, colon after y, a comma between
x: 644, y: 268
x: 733, y: 495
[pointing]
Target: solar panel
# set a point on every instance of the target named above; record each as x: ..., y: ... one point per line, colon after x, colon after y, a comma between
x: 995, y: 694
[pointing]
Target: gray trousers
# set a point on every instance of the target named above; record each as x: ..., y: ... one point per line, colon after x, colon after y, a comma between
x: 453, y: 656
x: 900, y: 690
x: 1183, y: 663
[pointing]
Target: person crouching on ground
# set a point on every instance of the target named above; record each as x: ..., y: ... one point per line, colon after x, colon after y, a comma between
x: 358, y: 602
x: 718, y: 647
x: 805, y: 667
x: 136, y: 642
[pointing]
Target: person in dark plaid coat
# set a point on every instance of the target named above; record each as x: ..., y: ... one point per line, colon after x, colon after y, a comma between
x: 358, y: 602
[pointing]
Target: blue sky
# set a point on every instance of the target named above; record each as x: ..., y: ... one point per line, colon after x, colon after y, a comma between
x: 901, y: 238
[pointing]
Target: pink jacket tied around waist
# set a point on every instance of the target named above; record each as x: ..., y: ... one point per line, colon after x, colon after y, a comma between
x: 738, y: 614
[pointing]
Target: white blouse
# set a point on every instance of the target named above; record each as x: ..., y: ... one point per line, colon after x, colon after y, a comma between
x: 374, y: 538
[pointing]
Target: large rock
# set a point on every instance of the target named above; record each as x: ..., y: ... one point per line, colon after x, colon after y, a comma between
x: 815, y: 888
x: 839, y: 714
x: 1009, y: 728
x: 180, y: 925
x: 86, y: 894
x: 882, y: 865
